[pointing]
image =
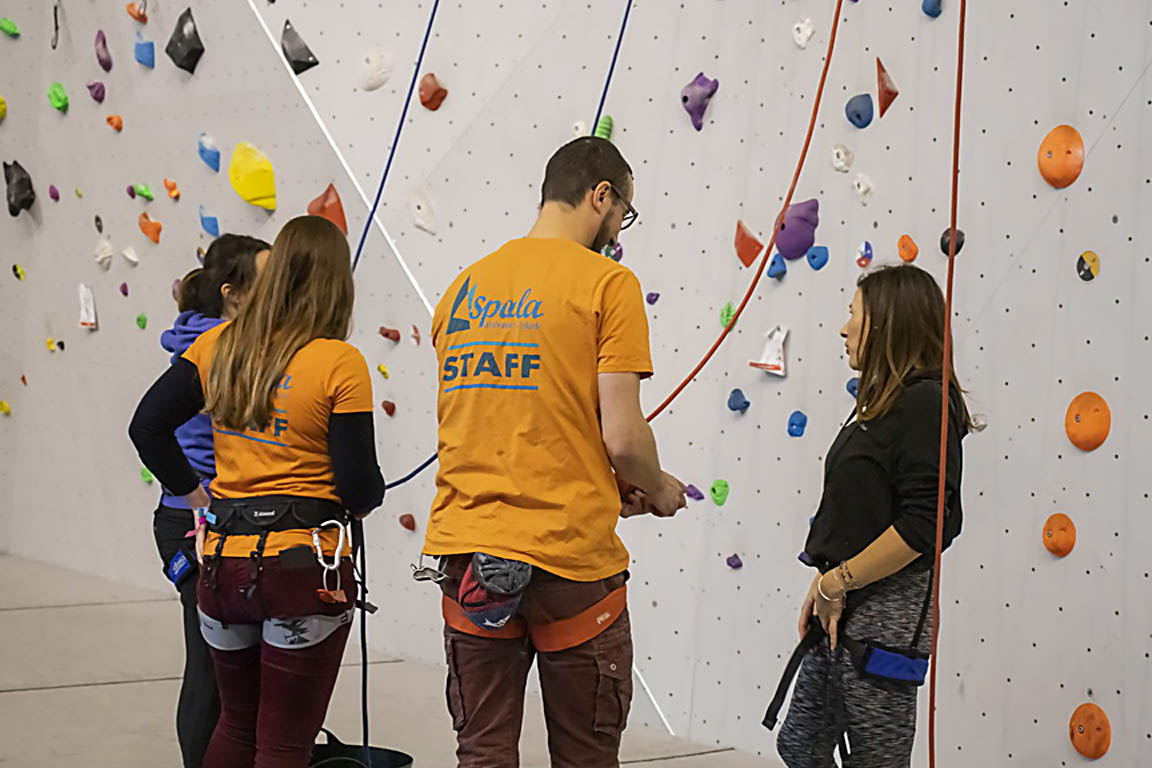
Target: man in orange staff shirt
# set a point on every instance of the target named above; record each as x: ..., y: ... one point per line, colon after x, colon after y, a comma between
x: 543, y: 446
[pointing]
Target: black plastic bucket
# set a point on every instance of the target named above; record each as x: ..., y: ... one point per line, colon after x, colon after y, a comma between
x: 337, y: 754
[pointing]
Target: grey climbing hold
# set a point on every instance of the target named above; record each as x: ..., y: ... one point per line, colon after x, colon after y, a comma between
x: 299, y: 55
x: 184, y: 46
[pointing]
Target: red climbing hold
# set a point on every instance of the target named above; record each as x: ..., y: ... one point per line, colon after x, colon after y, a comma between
x: 432, y: 94
x: 390, y: 333
x: 747, y: 246
x: 328, y: 205
x: 389, y: 407
x: 408, y: 522
x: 416, y: 335
x: 887, y: 88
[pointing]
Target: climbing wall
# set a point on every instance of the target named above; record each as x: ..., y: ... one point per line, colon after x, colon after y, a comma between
x: 1028, y: 636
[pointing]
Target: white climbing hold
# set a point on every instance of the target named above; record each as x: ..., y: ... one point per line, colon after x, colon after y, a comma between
x: 863, y: 188
x: 422, y: 214
x: 841, y: 158
x: 802, y: 32
x: 979, y: 422
x: 87, y: 307
x: 130, y: 256
x: 103, y: 253
x: 579, y: 128
x: 772, y: 359
x: 377, y: 69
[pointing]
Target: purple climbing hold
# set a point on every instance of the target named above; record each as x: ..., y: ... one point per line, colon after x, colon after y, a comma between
x: 96, y: 91
x: 53, y: 193
x: 694, y: 493
x: 695, y: 97
x: 652, y: 298
x: 734, y: 562
x: 798, y: 230
x: 123, y: 289
x: 131, y: 191
x: 102, y: 54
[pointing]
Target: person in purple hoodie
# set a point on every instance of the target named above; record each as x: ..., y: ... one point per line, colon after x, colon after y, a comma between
x: 207, y: 297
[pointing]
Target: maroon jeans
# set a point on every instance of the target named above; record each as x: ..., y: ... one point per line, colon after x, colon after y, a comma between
x: 587, y: 689
x: 272, y: 700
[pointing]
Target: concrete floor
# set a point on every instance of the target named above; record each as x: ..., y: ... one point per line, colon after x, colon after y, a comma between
x: 78, y: 687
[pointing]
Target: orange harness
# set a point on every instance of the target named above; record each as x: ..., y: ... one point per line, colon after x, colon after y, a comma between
x: 552, y: 636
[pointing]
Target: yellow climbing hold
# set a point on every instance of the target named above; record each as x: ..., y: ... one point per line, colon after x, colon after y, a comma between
x: 252, y: 176
x: 3, y: 108
x: 383, y: 370
x: 51, y: 344
x: 5, y: 408
x: 79, y: 192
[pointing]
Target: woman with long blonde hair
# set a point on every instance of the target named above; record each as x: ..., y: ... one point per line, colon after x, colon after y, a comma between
x: 291, y: 407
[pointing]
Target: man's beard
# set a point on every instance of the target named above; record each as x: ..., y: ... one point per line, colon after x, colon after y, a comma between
x: 602, y: 237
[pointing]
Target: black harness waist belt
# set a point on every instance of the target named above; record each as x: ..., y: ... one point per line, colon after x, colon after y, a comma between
x: 271, y: 514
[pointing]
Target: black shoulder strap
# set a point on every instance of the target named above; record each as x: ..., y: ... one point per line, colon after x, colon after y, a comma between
x: 815, y: 632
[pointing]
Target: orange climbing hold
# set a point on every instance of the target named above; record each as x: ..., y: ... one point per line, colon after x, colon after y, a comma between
x: 136, y: 12
x: 908, y: 249
x: 1088, y: 421
x: 1090, y: 731
x: 116, y: 122
x: 747, y: 246
x: 432, y: 94
x: 1059, y: 534
x: 1061, y: 156
x: 328, y: 205
x: 173, y: 190
x: 886, y: 86
x: 150, y: 227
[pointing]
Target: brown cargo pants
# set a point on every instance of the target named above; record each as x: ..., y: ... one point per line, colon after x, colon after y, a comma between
x: 587, y: 689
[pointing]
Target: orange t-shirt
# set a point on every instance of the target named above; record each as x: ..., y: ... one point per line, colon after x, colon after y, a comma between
x: 290, y: 455
x: 521, y: 336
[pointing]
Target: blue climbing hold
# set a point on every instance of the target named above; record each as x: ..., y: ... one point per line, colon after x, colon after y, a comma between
x: 209, y: 153
x: 797, y: 423
x: 854, y: 386
x: 210, y: 224
x: 859, y: 110
x: 145, y: 51
x: 817, y: 257
x: 931, y: 8
x: 778, y: 268
x: 737, y: 401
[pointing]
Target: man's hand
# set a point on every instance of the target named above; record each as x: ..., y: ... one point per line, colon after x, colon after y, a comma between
x: 669, y: 498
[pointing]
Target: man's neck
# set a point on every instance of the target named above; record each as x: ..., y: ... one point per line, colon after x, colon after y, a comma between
x: 554, y: 222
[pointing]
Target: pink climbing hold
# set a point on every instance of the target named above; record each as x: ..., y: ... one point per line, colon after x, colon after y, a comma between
x: 53, y: 193
x: 695, y: 97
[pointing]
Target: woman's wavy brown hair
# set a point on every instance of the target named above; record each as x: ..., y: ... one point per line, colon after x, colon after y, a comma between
x: 904, y: 317
x: 304, y: 293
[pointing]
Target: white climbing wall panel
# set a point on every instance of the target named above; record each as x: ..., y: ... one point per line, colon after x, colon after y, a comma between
x: 1027, y: 637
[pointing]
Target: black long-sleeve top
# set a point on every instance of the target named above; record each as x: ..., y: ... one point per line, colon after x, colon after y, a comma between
x: 885, y: 472
x: 178, y: 396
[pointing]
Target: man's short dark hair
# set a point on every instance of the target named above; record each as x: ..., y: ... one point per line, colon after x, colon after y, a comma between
x: 579, y: 166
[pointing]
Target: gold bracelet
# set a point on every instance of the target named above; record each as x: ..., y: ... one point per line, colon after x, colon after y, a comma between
x: 820, y: 589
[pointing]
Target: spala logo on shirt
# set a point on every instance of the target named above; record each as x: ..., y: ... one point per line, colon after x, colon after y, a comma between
x: 485, y: 310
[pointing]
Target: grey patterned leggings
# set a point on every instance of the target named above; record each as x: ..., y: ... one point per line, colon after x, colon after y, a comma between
x: 831, y: 698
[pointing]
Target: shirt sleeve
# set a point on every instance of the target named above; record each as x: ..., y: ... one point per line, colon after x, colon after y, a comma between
x: 916, y: 467
x: 352, y: 447
x: 350, y: 383
x: 173, y: 399
x: 622, y: 326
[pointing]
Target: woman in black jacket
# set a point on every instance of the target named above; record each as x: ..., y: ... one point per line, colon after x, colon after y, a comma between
x: 867, y: 617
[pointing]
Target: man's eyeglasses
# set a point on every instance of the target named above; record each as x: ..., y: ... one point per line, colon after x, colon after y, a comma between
x: 630, y: 215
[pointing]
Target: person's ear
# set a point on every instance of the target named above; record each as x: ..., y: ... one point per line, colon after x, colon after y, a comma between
x: 602, y: 197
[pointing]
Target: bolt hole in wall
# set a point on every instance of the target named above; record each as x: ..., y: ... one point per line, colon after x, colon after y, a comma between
x: 708, y: 104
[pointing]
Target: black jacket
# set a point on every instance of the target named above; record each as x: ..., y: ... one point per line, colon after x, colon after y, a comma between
x: 884, y: 472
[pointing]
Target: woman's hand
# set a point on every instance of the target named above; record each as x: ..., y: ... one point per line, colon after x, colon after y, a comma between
x: 198, y: 499
x: 829, y: 605
x: 808, y: 609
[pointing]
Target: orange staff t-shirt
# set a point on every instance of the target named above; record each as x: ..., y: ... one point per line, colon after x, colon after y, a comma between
x: 290, y: 455
x: 521, y: 336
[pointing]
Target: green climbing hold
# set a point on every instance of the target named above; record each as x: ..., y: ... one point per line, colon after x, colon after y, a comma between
x: 58, y: 97
x: 604, y: 128
x: 727, y: 312
x: 8, y: 27
x: 141, y: 321
x: 146, y: 476
x: 719, y: 492
x: 144, y: 191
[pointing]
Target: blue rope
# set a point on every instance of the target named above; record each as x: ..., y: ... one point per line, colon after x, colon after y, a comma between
x: 599, y: 110
x: 396, y: 139
x: 612, y: 67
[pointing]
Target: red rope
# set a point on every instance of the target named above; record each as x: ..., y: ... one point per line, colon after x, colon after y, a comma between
x: 776, y: 227
x: 946, y: 389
